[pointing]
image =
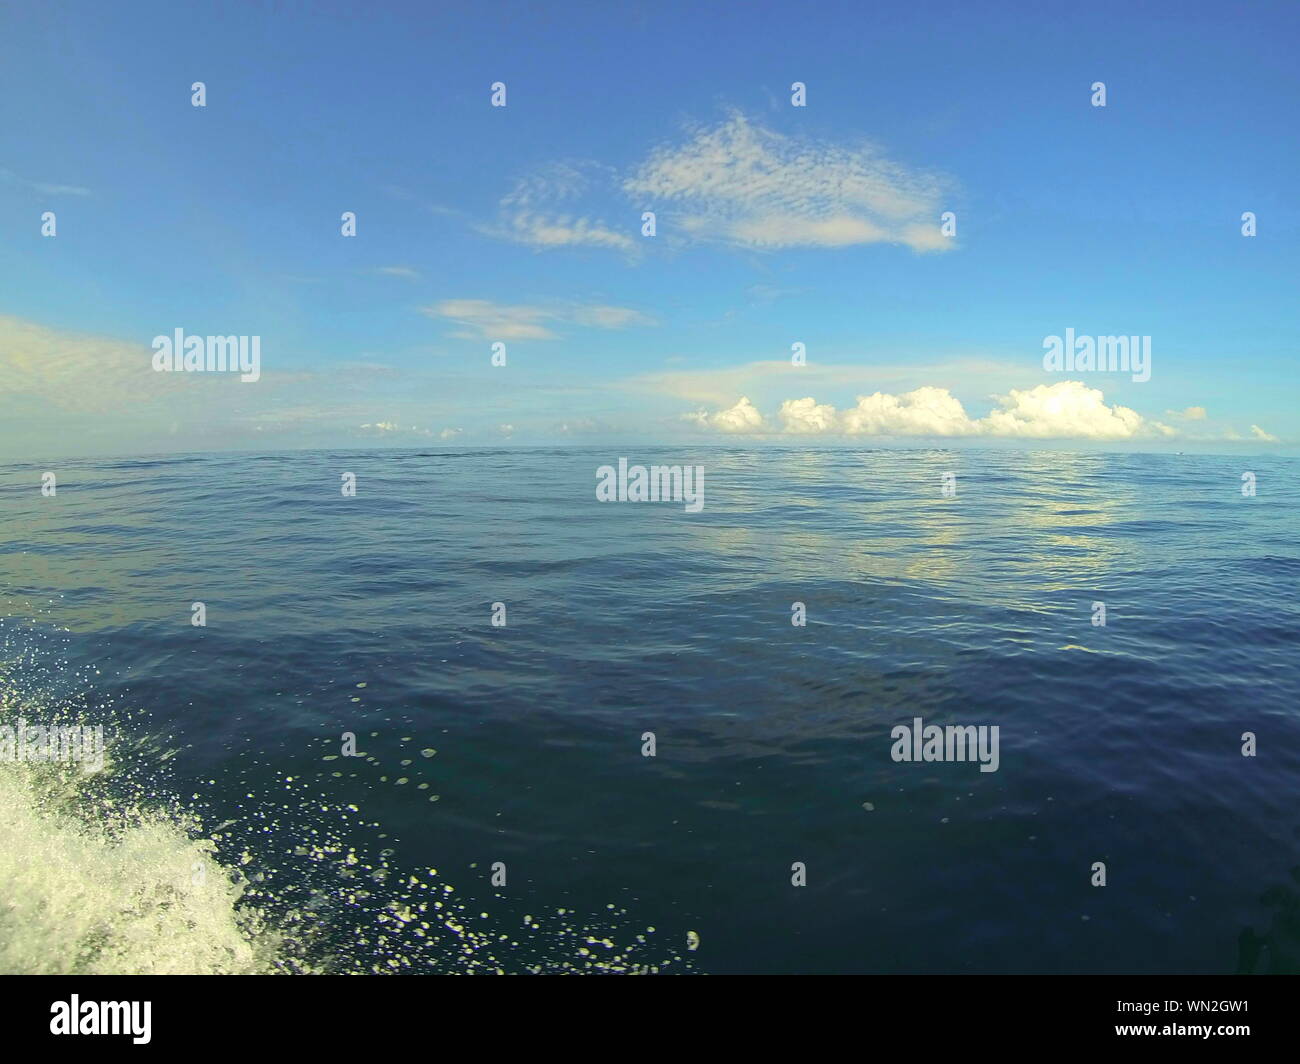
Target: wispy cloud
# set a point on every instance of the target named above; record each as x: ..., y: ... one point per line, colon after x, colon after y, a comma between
x: 545, y: 231
x: 735, y: 183
x: 43, y: 187
x: 536, y: 211
x: 740, y: 183
x: 481, y: 319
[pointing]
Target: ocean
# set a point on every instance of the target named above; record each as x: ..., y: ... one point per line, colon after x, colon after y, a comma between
x: 501, y: 813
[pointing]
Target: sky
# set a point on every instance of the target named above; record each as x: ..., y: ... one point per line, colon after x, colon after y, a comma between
x: 774, y: 224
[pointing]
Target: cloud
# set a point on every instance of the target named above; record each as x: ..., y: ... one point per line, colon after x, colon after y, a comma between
x: 739, y: 183
x: 481, y: 319
x: 804, y: 415
x: 399, y: 271
x: 609, y: 317
x: 1192, y: 413
x: 68, y: 393
x: 735, y: 183
x: 923, y: 412
x: 741, y: 418
x: 44, y: 188
x: 77, y: 373
x: 1065, y: 410
x: 544, y: 231
x: 760, y: 294
x: 551, y: 183
x: 584, y: 426
x: 63, y: 392
x: 531, y: 214
x: 492, y: 321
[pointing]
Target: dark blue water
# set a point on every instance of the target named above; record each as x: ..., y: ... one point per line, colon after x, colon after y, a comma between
x: 372, y: 615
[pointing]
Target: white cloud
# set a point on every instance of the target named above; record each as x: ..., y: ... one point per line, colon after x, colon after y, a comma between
x: 742, y: 184
x: 449, y: 434
x: 1192, y: 413
x: 1260, y: 434
x: 741, y: 418
x: 609, y: 317
x: 530, y: 214
x: 43, y: 187
x: 77, y: 373
x: 736, y: 183
x: 481, y: 319
x: 546, y: 231
x: 399, y: 271
x: 804, y: 415
x: 551, y: 183
x: 492, y: 321
x: 923, y: 412
x: 1065, y: 410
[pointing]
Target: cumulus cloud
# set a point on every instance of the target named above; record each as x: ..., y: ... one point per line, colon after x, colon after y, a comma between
x: 805, y: 415
x: 740, y: 183
x: 923, y: 412
x: 741, y: 418
x: 1192, y: 413
x: 1065, y: 410
x: 480, y: 319
x: 1260, y: 434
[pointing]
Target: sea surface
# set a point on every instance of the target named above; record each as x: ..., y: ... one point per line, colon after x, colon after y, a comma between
x: 228, y: 833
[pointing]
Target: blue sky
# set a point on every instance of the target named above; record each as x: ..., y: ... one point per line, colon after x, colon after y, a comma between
x: 775, y: 224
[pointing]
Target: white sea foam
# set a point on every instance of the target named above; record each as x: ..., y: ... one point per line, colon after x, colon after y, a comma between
x: 116, y: 891
x: 111, y: 873
x: 101, y: 873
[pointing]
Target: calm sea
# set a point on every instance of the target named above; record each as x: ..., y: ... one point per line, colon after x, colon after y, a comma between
x: 228, y: 833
